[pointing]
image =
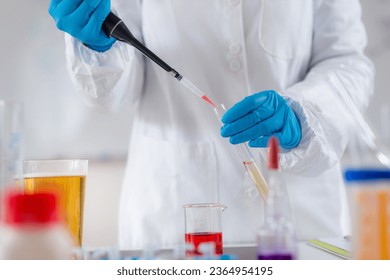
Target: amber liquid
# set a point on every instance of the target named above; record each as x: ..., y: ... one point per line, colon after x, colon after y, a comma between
x: 70, y: 191
x: 257, y: 178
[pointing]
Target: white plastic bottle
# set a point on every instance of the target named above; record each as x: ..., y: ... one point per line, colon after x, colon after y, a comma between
x: 31, y: 228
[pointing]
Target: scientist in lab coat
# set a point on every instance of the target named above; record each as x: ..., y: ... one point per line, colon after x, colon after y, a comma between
x: 281, y: 66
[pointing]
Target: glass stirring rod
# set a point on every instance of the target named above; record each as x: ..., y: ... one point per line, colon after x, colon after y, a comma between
x: 114, y: 27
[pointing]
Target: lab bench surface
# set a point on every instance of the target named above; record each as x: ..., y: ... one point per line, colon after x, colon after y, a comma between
x: 248, y: 252
x: 305, y: 252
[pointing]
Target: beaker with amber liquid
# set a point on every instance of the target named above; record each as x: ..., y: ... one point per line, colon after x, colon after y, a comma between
x: 66, y: 178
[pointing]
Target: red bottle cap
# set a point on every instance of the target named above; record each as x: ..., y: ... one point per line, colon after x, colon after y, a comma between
x: 37, y: 208
x: 273, y: 153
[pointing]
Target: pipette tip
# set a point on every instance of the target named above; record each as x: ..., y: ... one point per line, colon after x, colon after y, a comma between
x: 208, y: 100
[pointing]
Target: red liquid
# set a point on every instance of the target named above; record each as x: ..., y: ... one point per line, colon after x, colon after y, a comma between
x: 208, y: 100
x: 197, y: 238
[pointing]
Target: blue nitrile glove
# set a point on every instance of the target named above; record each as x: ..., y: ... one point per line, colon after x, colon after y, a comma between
x: 83, y: 20
x: 259, y: 116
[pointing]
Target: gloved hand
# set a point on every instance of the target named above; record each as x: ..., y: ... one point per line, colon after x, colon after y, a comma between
x: 83, y: 20
x: 259, y: 116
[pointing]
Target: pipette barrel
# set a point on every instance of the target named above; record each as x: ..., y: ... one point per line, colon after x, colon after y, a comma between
x: 247, y: 159
x: 194, y: 89
x: 114, y: 27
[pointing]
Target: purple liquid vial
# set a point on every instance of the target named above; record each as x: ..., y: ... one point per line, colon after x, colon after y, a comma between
x: 275, y: 256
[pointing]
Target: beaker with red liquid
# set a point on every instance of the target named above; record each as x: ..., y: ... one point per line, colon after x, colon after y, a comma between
x: 203, y: 226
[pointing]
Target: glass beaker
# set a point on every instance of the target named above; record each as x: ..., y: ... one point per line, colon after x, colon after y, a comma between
x: 66, y: 178
x: 203, y: 226
x: 11, y: 143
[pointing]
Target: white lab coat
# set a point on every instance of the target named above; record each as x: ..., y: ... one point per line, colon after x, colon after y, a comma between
x: 310, y: 51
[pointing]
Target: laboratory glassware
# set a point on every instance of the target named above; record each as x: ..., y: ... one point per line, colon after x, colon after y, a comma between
x: 32, y: 229
x: 203, y: 226
x: 65, y: 177
x: 276, y: 237
x: 11, y: 143
x: 114, y: 27
x: 247, y: 159
x: 369, y: 199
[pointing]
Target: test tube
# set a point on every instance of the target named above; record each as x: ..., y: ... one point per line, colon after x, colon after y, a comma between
x: 247, y: 159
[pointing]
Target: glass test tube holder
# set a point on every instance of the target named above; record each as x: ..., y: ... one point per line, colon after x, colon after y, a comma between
x: 247, y: 159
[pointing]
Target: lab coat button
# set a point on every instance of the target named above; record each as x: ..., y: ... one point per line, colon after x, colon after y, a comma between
x: 234, y: 48
x: 235, y: 65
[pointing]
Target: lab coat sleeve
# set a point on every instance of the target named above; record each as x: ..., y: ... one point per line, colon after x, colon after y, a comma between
x: 106, y: 79
x: 340, y: 81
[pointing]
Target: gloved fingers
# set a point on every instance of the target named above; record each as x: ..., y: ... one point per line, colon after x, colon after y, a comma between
x: 93, y: 8
x: 289, y: 136
x: 53, y: 4
x: 81, y: 16
x: 261, y: 142
x: 239, y: 125
x: 59, y: 9
x: 264, y: 128
x: 94, y: 26
x: 285, y: 140
x: 252, y: 118
x: 243, y: 107
x: 102, y: 10
x: 94, y: 3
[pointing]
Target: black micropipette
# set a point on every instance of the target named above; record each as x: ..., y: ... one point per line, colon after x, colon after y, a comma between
x: 114, y: 27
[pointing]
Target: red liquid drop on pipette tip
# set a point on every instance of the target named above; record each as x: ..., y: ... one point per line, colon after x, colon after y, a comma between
x: 208, y: 100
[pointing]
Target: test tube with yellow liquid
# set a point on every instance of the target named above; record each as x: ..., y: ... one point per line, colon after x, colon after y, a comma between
x: 247, y: 159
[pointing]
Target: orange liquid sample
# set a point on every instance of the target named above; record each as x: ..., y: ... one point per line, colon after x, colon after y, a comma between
x: 70, y: 191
